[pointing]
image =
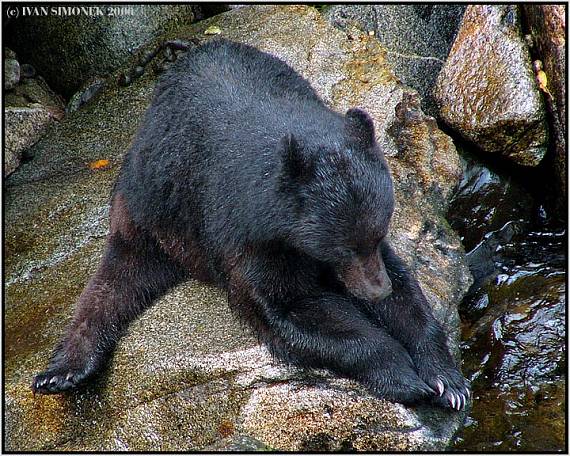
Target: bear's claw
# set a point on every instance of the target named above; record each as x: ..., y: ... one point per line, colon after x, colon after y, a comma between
x: 452, y: 389
x: 51, y: 382
x: 453, y: 398
x: 440, y: 387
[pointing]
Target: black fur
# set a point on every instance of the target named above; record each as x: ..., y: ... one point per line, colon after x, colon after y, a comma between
x: 241, y: 176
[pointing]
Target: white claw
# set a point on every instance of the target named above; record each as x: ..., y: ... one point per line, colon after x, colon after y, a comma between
x: 43, y: 382
x: 468, y: 393
x: 53, y: 380
x: 440, y: 387
x: 461, y: 402
x: 69, y: 376
x: 452, y: 399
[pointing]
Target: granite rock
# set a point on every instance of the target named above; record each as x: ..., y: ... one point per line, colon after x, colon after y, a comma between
x: 417, y: 38
x: 487, y: 91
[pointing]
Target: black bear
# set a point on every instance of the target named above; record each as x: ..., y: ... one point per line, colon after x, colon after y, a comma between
x: 240, y: 176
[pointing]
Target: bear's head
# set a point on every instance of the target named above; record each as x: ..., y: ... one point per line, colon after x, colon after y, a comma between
x: 343, y: 199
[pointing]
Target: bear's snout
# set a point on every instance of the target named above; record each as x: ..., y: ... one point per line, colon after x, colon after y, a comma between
x: 377, y: 287
x: 368, y: 279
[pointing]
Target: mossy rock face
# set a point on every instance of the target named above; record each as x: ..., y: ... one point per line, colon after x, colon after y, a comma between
x: 187, y: 376
x: 417, y: 38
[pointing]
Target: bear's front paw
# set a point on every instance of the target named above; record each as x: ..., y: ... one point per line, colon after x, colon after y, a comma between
x: 400, y: 384
x: 453, y: 390
x: 55, y: 381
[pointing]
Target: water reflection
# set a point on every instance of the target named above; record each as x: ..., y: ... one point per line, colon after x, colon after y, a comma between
x: 513, y: 317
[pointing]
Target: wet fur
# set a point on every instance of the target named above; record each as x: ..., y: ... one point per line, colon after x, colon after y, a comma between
x: 240, y: 176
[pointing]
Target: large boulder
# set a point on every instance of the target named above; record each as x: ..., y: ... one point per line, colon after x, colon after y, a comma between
x: 69, y: 44
x: 417, y: 38
x: 187, y: 376
x: 24, y: 126
x: 487, y: 90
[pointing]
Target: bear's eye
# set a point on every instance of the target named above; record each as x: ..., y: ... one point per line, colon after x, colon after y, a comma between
x: 370, y: 247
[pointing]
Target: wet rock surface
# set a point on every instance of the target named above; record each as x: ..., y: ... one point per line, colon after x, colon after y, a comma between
x: 417, y: 38
x: 485, y: 201
x: 547, y: 27
x: 187, y: 376
x: 487, y: 91
x: 513, y: 317
x: 68, y: 49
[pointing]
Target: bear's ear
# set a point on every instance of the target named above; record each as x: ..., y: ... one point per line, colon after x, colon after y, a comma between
x: 359, y: 127
x: 295, y: 163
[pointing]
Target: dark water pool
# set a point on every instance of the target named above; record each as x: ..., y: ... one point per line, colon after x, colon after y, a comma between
x: 513, y: 317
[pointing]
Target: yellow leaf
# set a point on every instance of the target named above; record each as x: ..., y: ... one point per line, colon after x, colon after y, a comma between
x: 542, y: 80
x: 213, y: 30
x: 98, y: 164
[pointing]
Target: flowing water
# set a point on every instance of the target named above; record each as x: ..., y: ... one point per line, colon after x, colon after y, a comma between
x: 513, y: 317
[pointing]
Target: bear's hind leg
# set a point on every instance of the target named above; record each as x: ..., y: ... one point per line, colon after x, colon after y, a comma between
x: 134, y: 271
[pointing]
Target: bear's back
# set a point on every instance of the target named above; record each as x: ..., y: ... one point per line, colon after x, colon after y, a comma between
x: 223, y: 87
x: 237, y: 72
x: 209, y: 141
